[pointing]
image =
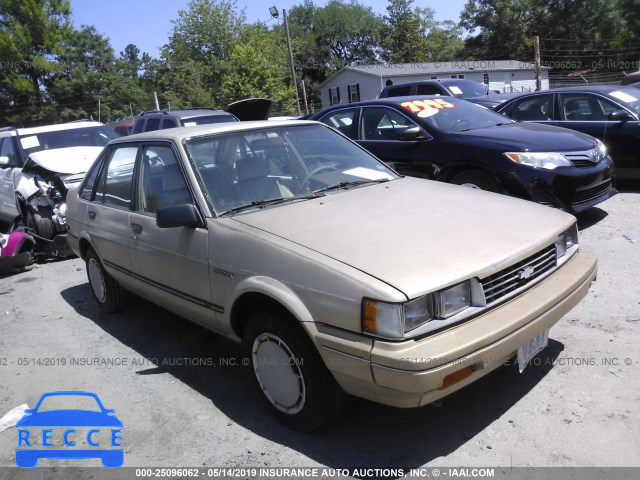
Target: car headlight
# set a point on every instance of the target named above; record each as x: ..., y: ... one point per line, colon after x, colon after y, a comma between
x: 546, y: 160
x: 566, y: 240
x: 395, y: 320
x: 600, y: 151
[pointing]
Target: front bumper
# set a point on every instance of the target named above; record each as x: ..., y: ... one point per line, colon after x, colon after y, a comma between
x: 572, y: 189
x: 412, y: 373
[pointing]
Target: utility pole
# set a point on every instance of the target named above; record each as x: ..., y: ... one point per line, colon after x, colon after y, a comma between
x: 155, y: 98
x: 98, y: 109
x: 293, y: 70
x: 304, y: 96
x: 536, y: 46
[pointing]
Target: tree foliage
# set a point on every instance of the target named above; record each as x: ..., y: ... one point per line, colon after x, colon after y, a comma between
x: 402, y: 40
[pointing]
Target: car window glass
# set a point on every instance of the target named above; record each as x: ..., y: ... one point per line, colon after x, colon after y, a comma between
x: 8, y: 149
x: 342, y: 120
x: 89, y: 183
x: 161, y: 180
x: 399, y: 91
x: 382, y: 124
x: 115, y: 186
x: 137, y: 128
x: 239, y: 168
x: 220, y: 118
x: 169, y: 123
x: 584, y: 107
x: 67, y: 402
x: 152, y: 124
x: 537, y: 108
x: 427, y: 90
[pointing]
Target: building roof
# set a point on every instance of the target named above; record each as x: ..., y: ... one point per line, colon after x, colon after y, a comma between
x: 433, y: 68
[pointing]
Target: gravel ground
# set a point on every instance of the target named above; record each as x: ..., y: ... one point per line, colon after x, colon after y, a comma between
x: 186, y: 400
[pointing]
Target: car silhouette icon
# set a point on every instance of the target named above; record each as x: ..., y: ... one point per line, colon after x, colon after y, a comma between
x: 37, y: 418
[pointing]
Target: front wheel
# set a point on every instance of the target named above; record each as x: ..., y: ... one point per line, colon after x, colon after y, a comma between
x: 477, y: 180
x: 111, y: 297
x: 291, y: 377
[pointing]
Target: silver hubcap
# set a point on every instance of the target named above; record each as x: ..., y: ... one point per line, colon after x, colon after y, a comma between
x: 96, y: 280
x: 471, y: 185
x: 278, y: 373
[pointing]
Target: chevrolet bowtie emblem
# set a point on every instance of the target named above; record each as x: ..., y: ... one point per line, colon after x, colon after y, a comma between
x: 525, y: 273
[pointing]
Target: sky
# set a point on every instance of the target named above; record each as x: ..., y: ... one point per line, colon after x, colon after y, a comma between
x: 147, y: 23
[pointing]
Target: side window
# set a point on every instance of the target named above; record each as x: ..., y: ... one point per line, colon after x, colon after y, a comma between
x: 114, y: 187
x: 585, y: 107
x: 334, y: 96
x: 427, y: 90
x: 137, y: 128
x: 161, y: 180
x: 382, y: 123
x: 169, y: 123
x: 535, y: 108
x: 354, y: 92
x: 8, y: 149
x: 342, y: 120
x: 152, y: 124
x: 90, y: 181
x: 399, y: 91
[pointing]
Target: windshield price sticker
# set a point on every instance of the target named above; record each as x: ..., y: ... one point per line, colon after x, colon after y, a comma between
x: 427, y: 108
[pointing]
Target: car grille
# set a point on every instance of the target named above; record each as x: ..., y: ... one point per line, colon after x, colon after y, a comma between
x: 582, y: 159
x: 584, y: 196
x: 518, y: 275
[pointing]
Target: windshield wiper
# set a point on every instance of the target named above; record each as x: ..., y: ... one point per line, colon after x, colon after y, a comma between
x: 271, y: 201
x: 350, y: 184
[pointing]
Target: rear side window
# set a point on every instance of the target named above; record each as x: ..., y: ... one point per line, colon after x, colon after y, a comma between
x: 343, y: 120
x: 427, y: 90
x: 137, y: 128
x: 90, y: 181
x: 169, y: 123
x: 535, y: 108
x: 115, y: 185
x: 401, y: 91
x: 152, y: 124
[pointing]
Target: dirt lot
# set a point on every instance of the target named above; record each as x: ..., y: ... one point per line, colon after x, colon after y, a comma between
x: 183, y: 402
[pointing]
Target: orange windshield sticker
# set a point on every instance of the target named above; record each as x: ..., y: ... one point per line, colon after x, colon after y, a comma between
x: 418, y: 106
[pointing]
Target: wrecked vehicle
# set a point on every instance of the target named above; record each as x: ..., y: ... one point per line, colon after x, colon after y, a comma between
x: 16, y: 251
x: 37, y: 167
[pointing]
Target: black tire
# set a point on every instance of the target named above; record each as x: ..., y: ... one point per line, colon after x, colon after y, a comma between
x: 43, y: 226
x: 289, y: 359
x: 477, y: 179
x: 111, y: 297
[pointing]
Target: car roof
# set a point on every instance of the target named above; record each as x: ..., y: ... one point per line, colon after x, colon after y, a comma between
x: 59, y: 127
x: 180, y: 133
x: 584, y: 88
x: 188, y: 113
x: 391, y: 101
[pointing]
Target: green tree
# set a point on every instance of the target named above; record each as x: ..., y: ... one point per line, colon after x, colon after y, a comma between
x: 31, y: 32
x: 204, y: 34
x: 257, y: 67
x: 442, y: 40
x: 402, y: 39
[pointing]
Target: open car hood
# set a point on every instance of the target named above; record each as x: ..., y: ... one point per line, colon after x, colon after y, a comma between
x: 250, y: 109
x: 64, y: 160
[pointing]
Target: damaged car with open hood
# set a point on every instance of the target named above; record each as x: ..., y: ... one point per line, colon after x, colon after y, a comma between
x: 335, y: 274
x: 37, y: 167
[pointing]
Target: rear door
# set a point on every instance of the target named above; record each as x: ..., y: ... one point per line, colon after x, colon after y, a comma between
x: 172, y: 263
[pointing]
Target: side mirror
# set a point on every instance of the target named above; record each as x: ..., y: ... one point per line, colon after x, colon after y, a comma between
x: 411, y: 133
x: 185, y: 215
x: 4, y: 162
x: 619, y: 116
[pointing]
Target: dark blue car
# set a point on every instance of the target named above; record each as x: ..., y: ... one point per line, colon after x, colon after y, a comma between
x: 453, y: 140
x: 101, y: 417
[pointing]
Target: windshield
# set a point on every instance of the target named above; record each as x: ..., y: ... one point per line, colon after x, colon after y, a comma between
x: 97, y: 136
x: 467, y: 89
x: 453, y: 115
x: 291, y: 163
x: 221, y: 118
x: 629, y: 98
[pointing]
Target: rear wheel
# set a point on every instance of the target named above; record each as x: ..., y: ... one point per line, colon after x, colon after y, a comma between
x: 291, y: 377
x: 111, y: 297
x: 478, y: 180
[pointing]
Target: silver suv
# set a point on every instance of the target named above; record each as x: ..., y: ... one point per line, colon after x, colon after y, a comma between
x: 337, y: 275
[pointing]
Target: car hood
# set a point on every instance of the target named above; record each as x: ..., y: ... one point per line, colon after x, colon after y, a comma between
x: 65, y: 160
x: 69, y: 418
x: 530, y: 136
x: 416, y: 235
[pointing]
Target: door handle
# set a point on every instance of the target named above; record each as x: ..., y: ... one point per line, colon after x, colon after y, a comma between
x: 92, y: 215
x: 136, y: 228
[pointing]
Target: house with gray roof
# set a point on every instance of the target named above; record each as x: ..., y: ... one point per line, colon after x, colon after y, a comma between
x: 364, y: 82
